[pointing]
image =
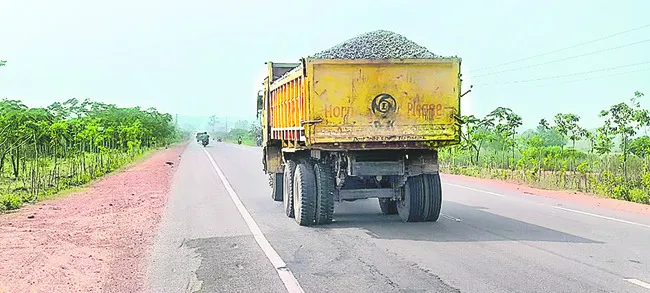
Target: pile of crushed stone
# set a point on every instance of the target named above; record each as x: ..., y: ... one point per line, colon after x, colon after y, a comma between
x: 379, y: 44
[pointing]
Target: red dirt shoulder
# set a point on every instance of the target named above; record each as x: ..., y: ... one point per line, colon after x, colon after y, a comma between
x: 95, y: 240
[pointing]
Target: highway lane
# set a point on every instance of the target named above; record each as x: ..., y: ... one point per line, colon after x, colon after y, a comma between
x: 487, y: 240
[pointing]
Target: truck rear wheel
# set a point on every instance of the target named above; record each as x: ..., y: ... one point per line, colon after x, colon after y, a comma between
x: 433, y: 197
x: 304, y: 194
x: 388, y: 207
x: 325, y: 183
x: 276, y: 186
x: 421, y: 199
x: 287, y: 191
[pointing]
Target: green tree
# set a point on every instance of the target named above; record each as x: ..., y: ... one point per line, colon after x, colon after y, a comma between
x: 549, y: 135
x: 475, y: 133
x: 83, y: 140
x: 506, y: 123
x: 624, y: 120
x: 640, y: 146
x: 567, y: 125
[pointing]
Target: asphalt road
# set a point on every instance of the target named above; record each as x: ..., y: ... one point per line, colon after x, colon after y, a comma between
x: 487, y: 240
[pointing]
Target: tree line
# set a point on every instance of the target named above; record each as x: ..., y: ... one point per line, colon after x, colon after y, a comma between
x: 614, y: 159
x: 45, y: 150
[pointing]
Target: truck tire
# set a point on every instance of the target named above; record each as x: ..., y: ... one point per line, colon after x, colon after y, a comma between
x: 304, y: 194
x: 276, y: 186
x: 287, y: 191
x: 411, y: 204
x: 388, y: 207
x: 433, y: 197
x: 325, y: 183
x: 422, y: 199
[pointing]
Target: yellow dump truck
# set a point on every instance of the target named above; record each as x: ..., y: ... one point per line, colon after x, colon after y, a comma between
x: 342, y: 130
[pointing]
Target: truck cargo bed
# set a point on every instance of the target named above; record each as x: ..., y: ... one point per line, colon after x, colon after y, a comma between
x: 374, y: 103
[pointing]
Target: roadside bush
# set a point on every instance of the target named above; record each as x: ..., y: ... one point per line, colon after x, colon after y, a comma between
x: 640, y: 196
x: 10, y: 202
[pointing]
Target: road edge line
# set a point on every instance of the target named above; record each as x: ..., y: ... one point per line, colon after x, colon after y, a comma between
x: 557, y: 207
x: 287, y: 277
x: 602, y: 217
x: 474, y: 189
x: 638, y: 283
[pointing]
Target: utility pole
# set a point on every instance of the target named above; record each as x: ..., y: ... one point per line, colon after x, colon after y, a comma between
x: 176, y: 120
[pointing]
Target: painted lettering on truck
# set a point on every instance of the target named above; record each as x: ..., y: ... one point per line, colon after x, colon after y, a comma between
x: 425, y: 111
x: 337, y: 111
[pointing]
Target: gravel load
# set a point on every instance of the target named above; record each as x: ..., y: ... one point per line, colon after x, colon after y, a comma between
x: 378, y: 44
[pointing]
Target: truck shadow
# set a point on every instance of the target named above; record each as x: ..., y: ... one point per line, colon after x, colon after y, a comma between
x: 457, y: 223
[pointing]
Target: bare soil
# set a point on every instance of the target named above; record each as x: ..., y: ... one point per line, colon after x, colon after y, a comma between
x: 95, y: 240
x: 571, y: 196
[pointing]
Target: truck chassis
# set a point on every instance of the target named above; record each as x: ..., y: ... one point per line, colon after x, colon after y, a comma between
x: 406, y: 182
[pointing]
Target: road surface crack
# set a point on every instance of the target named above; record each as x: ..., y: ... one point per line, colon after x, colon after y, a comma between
x: 430, y: 273
x: 375, y: 272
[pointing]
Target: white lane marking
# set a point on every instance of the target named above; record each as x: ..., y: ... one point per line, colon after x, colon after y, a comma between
x: 639, y: 283
x: 285, y: 274
x: 448, y: 217
x: 602, y: 217
x: 561, y: 208
x: 473, y: 189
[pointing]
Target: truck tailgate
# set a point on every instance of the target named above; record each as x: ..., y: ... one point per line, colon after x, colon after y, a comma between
x: 383, y: 100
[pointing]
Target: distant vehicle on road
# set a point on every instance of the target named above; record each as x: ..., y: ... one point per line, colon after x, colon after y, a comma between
x: 199, y: 135
x: 342, y: 130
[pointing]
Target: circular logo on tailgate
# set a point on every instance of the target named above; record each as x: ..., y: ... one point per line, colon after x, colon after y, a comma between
x: 384, y: 104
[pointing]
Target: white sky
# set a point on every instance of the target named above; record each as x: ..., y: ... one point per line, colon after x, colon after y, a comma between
x: 200, y: 57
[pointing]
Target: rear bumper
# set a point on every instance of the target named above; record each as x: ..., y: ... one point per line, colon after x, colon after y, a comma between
x: 383, y: 145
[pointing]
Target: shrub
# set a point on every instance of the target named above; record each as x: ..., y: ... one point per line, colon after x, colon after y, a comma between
x: 10, y: 202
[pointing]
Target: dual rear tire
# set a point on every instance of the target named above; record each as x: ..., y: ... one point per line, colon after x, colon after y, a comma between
x: 308, y: 195
x: 309, y: 192
x: 421, y: 199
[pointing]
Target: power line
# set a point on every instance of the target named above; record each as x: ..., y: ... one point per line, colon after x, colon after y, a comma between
x: 564, y: 59
x: 567, y: 75
x: 596, y: 77
x: 565, y: 48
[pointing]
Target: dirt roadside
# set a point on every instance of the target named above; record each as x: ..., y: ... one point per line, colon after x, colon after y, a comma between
x: 91, y: 241
x: 571, y: 196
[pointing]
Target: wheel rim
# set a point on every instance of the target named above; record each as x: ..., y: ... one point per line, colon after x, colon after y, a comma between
x: 403, y: 206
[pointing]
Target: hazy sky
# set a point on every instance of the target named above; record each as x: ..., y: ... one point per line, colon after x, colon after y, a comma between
x: 207, y: 57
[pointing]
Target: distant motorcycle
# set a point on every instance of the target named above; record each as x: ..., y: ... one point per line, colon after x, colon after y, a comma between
x: 205, y: 141
x: 239, y: 140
